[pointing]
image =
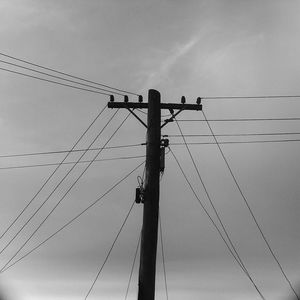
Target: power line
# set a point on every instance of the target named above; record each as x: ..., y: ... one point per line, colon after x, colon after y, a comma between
x: 249, y: 97
x: 206, y: 192
x: 67, y: 151
x: 240, y: 120
x: 66, y: 74
x: 250, y: 210
x: 163, y: 258
x: 71, y: 163
x: 235, y: 134
x: 241, y: 265
x: 132, y: 267
x: 206, y: 212
x: 240, y: 142
x: 210, y: 200
x: 55, y: 82
x: 60, y: 182
x: 66, y: 193
x: 163, y: 116
x: 74, y: 218
x: 143, y: 144
x: 108, y: 254
x: 54, y: 171
x: 61, y: 78
x: 56, y: 187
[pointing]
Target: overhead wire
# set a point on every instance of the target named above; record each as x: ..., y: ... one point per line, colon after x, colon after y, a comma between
x: 55, y: 82
x: 236, y: 134
x: 240, y: 119
x: 56, y: 187
x: 110, y: 250
x: 163, y: 257
x: 53, y: 173
x: 250, y: 210
x: 69, y: 189
x: 74, y: 218
x: 66, y: 151
x: 72, y: 162
x: 61, y: 78
x: 238, y: 142
x: 210, y: 200
x: 143, y: 144
x: 163, y: 116
x: 66, y: 74
x: 132, y: 267
x: 207, y: 193
x: 249, y: 97
x: 231, y: 251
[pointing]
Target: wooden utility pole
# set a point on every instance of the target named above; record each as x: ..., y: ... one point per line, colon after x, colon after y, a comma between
x: 150, y: 193
x: 151, y: 201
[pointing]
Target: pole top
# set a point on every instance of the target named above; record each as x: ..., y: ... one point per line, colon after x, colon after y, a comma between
x: 153, y: 92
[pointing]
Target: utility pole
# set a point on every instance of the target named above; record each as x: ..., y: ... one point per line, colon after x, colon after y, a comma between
x: 149, y: 195
x: 151, y: 201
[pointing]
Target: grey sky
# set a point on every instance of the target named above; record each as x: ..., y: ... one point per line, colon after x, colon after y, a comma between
x: 191, y: 48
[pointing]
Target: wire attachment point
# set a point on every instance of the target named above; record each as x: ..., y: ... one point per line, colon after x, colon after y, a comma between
x: 139, y: 191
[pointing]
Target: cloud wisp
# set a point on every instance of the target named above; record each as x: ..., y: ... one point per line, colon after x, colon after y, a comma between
x: 163, y: 71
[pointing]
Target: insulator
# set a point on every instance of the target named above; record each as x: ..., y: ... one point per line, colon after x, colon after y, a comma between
x: 166, y: 143
x: 137, y: 195
x: 198, y: 101
x: 112, y: 98
x: 140, y: 98
x: 126, y: 98
x: 182, y: 99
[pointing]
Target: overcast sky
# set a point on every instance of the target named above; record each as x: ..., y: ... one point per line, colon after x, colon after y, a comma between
x: 192, y: 48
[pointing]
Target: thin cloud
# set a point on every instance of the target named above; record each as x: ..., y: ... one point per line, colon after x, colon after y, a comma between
x: 162, y: 73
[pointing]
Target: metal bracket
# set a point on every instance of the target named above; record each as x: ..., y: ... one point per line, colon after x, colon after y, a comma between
x: 137, y: 117
x: 172, y: 118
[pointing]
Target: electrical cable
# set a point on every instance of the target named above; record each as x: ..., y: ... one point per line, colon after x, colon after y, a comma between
x: 59, y: 183
x: 70, y: 188
x: 240, y: 120
x: 54, y: 171
x: 55, y: 82
x: 66, y: 151
x: 132, y: 268
x: 66, y: 74
x: 73, y: 162
x: 206, y: 211
x: 141, y: 111
x: 109, y: 252
x: 61, y: 78
x: 240, y: 142
x: 236, y: 134
x: 249, y: 97
x: 74, y: 218
x: 207, y: 193
x: 250, y: 210
x: 163, y: 116
x: 209, y: 198
x: 216, y: 227
x: 163, y: 257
